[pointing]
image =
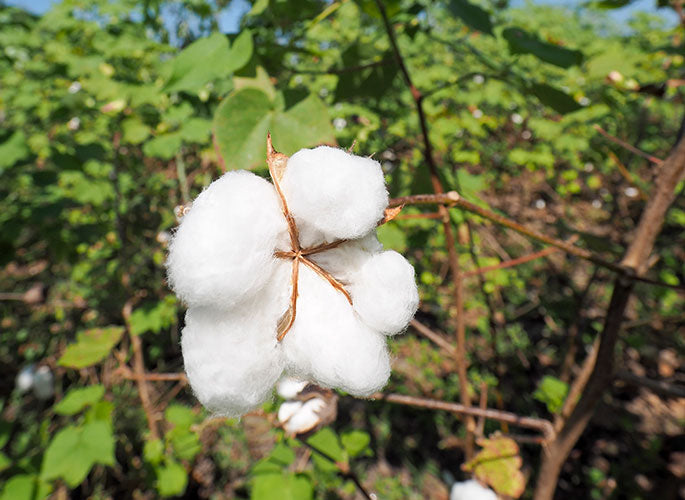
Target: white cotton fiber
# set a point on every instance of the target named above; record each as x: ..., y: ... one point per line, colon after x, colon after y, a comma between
x: 232, y: 359
x: 329, y: 345
x: 339, y: 194
x: 384, y: 292
x: 222, y: 252
x: 289, y: 388
x: 471, y: 490
x: 302, y: 418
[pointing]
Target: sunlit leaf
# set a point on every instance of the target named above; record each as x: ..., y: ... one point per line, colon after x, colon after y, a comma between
x: 77, y: 399
x: 498, y: 464
x: 91, y: 347
x: 522, y: 42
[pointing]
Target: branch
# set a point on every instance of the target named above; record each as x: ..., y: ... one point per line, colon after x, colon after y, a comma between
x: 659, y: 386
x: 627, y: 146
x: 542, y: 425
x: 453, y: 258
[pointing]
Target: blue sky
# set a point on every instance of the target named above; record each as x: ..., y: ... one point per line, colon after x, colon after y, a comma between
x: 229, y: 19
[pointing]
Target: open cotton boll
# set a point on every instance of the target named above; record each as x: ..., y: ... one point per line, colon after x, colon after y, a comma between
x: 301, y: 418
x: 288, y: 409
x: 329, y: 345
x: 471, y: 490
x: 384, y: 292
x: 335, y: 192
x: 345, y: 260
x: 223, y: 250
x: 289, y: 388
x: 232, y: 360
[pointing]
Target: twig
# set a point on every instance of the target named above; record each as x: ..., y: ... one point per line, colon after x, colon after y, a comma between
x: 344, y: 469
x: 627, y: 176
x: 542, y: 425
x: 447, y: 228
x: 483, y: 406
x: 627, y: 146
x: 337, y: 71
x: 438, y: 339
x: 139, y: 372
x: 513, y: 262
x: 659, y: 386
x: 431, y: 215
x: 182, y: 178
x: 452, y: 198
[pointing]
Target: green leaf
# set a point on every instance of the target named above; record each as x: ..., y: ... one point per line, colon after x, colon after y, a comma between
x: 172, y: 479
x: 91, y: 346
x: 522, y: 42
x: 552, y: 392
x: 153, y: 318
x: 326, y: 441
x: 473, y: 16
x: 279, y: 486
x: 134, y: 130
x: 5, y: 462
x: 5, y: 432
x: 498, y: 464
x: 21, y: 487
x: 74, y: 450
x: 180, y: 416
x: 355, y: 442
x: 241, y: 51
x: 153, y: 451
x: 196, y: 130
x: 163, y: 146
x: 554, y: 98
x: 258, y: 7
x: 77, y: 399
x: 241, y: 123
x: 201, y: 62
x: 392, y: 237
x: 13, y: 150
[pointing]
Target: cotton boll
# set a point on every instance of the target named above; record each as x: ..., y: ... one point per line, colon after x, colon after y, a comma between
x: 330, y: 345
x: 289, y: 388
x: 232, y: 358
x: 471, y: 490
x: 334, y: 192
x: 43, y: 383
x: 304, y: 418
x: 384, y: 292
x: 223, y: 250
x: 288, y: 409
x: 24, y: 380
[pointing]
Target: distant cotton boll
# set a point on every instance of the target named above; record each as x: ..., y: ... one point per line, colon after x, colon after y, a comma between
x: 384, y: 292
x: 597, y: 203
x: 337, y: 193
x: 223, y: 250
x: 74, y: 123
x: 631, y: 192
x: 588, y: 167
x: 24, y: 380
x: 329, y: 345
x: 471, y: 490
x: 289, y: 387
x: 517, y: 119
x: 526, y: 135
x: 232, y: 360
x: 303, y: 418
x: 74, y: 87
x: 339, y: 123
x: 288, y: 409
x: 540, y: 204
x: 477, y: 113
x: 584, y: 101
x: 43, y: 383
x: 479, y: 79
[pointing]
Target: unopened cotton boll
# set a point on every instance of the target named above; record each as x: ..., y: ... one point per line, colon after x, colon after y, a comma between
x: 384, y: 292
x: 337, y: 193
x: 232, y: 360
x: 222, y: 252
x: 329, y: 345
x: 471, y: 490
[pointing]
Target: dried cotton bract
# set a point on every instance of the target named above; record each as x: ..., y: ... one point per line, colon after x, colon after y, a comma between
x: 289, y: 278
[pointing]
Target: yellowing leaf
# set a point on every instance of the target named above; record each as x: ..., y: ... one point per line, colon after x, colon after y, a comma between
x: 91, y: 346
x: 499, y: 465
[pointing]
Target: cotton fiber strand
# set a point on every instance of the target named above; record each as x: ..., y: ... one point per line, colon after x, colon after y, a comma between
x: 230, y: 261
x: 341, y: 195
x: 471, y: 490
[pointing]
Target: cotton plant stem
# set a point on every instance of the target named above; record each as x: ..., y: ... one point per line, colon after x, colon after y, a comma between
x: 454, y: 199
x: 435, y: 337
x: 539, y: 424
x: 601, y: 375
x: 513, y: 262
x: 629, y: 147
x: 627, y: 175
x: 447, y: 228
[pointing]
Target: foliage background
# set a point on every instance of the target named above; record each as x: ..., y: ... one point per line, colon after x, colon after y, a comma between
x: 107, y: 112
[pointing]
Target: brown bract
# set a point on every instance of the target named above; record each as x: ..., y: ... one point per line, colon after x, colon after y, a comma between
x: 277, y: 163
